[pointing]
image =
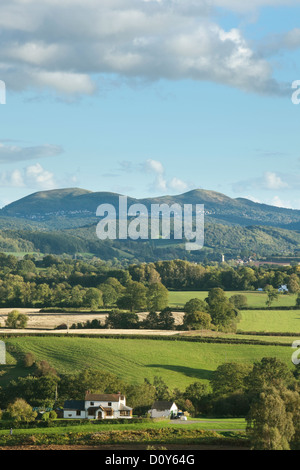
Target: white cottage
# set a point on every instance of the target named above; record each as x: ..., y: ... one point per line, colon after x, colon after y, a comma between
x: 163, y: 409
x: 283, y: 288
x: 98, y: 406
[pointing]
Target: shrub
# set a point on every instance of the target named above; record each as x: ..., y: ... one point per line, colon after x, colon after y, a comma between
x: 29, y: 359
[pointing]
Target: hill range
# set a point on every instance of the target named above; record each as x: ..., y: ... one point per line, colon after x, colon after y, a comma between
x: 64, y: 220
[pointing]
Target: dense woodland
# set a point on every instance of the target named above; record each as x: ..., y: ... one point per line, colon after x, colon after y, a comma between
x: 63, y: 282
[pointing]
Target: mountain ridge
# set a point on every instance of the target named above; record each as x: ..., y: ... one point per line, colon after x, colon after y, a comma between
x: 77, y: 203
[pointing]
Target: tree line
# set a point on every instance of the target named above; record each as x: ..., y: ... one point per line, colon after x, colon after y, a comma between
x: 58, y: 282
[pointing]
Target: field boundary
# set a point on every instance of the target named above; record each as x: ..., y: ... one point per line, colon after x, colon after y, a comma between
x: 193, y: 339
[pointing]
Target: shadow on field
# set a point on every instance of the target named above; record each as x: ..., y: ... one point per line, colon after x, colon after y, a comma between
x: 188, y: 371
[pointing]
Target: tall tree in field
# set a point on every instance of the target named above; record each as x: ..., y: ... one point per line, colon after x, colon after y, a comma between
x: 269, y: 424
x: 272, y: 294
x: 221, y: 310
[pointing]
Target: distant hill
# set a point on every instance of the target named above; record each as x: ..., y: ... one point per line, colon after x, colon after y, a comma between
x: 64, y: 221
x: 74, y: 203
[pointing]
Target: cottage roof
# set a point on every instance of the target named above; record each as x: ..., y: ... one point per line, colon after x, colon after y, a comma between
x: 162, y: 405
x: 125, y: 408
x: 74, y: 405
x: 103, y: 397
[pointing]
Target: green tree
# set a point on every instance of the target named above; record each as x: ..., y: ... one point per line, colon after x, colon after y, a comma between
x: 195, y: 393
x: 74, y: 386
x: 93, y: 298
x: 222, y: 312
x: 269, y: 425
x: 196, y: 321
x: 135, y: 297
x: 157, y: 297
x: 272, y: 295
x: 270, y: 371
x: 239, y: 301
x: 151, y: 322
x: 110, y: 295
x: 16, y: 320
x: 293, y: 284
x: 29, y: 359
x: 195, y: 305
x: 166, y: 320
x: 21, y: 411
x: 229, y: 378
x: 122, y: 320
x: 162, y: 391
x: 140, y: 396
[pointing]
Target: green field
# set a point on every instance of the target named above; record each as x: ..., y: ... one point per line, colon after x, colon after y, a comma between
x: 274, y: 321
x: 255, y: 299
x: 214, y: 424
x: 178, y: 362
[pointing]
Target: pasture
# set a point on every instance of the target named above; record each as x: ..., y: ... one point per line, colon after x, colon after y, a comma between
x: 255, y: 299
x: 274, y: 321
x: 180, y: 363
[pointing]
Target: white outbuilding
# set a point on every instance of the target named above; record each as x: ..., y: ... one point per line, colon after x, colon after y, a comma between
x: 163, y: 409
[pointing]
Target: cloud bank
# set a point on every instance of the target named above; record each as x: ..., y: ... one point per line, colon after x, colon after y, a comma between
x: 66, y: 45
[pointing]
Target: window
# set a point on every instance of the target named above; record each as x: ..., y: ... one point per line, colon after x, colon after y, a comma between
x: 109, y: 403
x: 124, y: 413
x: 92, y: 403
x: 78, y: 413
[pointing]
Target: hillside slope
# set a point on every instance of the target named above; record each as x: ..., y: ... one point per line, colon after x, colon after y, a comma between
x: 64, y: 221
x: 74, y: 203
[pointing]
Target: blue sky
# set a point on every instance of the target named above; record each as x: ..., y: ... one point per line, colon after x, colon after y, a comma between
x: 151, y: 97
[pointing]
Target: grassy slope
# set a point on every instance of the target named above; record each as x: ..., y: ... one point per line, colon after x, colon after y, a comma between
x: 179, y: 363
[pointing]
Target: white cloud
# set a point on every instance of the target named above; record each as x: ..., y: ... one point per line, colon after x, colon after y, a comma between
x: 155, y: 166
x: 244, y: 6
x: 65, y: 45
x: 269, y: 181
x: 161, y: 183
x: 178, y: 185
x: 273, y: 181
x: 33, y: 176
x: 36, y: 175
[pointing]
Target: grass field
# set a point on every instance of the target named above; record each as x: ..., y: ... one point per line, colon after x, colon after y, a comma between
x: 274, y: 321
x: 255, y: 299
x: 178, y: 362
x: 232, y: 424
